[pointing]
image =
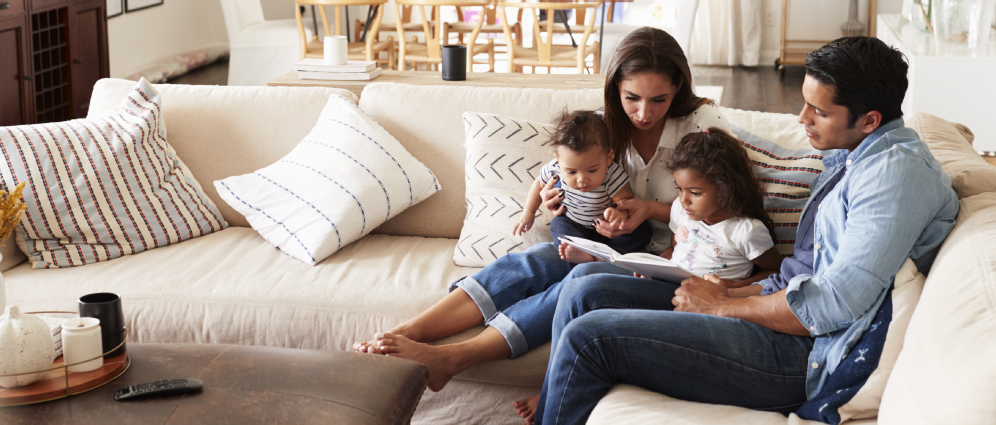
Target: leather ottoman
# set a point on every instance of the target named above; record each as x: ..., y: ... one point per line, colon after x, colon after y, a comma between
x: 246, y: 385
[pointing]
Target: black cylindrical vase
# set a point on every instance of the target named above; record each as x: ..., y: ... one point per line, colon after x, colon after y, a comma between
x: 454, y: 63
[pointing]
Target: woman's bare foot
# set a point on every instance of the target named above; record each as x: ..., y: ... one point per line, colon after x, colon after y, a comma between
x: 526, y: 408
x: 574, y: 255
x: 368, y: 347
x: 440, y: 360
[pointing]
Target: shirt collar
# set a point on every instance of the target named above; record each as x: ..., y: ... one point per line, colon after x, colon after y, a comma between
x: 876, y: 138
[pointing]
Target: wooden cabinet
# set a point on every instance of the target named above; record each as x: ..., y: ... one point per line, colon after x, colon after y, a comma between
x: 51, y: 54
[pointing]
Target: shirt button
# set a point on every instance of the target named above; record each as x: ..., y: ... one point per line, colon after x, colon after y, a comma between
x: 820, y: 206
x: 848, y: 162
x: 812, y: 328
x: 816, y: 365
x: 817, y: 246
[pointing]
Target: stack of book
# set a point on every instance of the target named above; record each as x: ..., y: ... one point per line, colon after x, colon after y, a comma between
x: 316, y: 69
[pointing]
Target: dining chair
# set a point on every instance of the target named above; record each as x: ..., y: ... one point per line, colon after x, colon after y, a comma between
x: 368, y: 50
x: 385, y: 27
x: 429, y: 50
x: 491, y: 25
x: 543, y: 53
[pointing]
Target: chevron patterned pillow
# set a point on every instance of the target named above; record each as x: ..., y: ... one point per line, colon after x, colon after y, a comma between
x: 504, y: 156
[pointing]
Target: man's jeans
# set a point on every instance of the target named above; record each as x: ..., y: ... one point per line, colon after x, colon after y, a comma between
x: 612, y: 328
x: 517, y: 294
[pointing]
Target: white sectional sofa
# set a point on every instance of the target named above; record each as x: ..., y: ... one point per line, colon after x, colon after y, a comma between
x: 232, y: 287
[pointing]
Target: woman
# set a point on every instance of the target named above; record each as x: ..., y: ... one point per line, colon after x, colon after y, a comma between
x: 649, y: 108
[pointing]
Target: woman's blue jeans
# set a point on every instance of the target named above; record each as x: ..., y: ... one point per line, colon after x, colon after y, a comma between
x: 517, y: 293
x: 612, y: 328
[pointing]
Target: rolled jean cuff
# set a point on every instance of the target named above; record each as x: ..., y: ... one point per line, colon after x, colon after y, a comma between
x: 513, y: 335
x: 478, y: 294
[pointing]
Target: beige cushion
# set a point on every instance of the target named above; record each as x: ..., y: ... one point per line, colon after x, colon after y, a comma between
x: 504, y: 157
x: 970, y: 174
x: 946, y: 372
x: 905, y: 296
x: 427, y: 121
x: 626, y: 404
x: 227, y: 131
x: 232, y: 287
x: 783, y: 129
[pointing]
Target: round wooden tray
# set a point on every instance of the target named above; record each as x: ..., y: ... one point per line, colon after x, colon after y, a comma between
x: 56, y: 384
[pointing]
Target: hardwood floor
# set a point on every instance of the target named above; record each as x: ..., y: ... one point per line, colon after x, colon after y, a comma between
x: 759, y: 88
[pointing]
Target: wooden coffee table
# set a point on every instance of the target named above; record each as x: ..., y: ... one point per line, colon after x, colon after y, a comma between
x: 246, y: 385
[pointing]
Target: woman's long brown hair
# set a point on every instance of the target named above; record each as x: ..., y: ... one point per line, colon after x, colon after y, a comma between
x: 647, y: 49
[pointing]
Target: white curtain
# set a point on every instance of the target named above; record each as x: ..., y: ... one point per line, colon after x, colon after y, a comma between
x: 726, y: 32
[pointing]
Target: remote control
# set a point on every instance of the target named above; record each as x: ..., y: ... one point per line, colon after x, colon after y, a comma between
x: 158, y: 388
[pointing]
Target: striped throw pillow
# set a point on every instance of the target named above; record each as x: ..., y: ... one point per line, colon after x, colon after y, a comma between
x: 345, y: 178
x: 103, y: 188
x: 786, y: 175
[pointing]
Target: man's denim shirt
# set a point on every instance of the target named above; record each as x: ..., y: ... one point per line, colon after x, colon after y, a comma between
x: 893, y: 203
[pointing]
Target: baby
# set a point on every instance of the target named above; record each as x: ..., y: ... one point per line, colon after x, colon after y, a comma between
x: 590, y: 185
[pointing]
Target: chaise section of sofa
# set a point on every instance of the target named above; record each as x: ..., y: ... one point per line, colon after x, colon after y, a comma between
x: 233, y: 287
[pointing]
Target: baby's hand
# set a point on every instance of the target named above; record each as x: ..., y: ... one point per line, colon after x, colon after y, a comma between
x: 615, y: 216
x: 525, y: 223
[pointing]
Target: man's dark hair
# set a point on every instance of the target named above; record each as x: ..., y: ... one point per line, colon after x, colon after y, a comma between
x: 866, y: 74
x: 580, y: 131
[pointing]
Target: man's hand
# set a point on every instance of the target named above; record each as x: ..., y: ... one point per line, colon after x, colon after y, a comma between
x: 553, y: 197
x: 698, y: 295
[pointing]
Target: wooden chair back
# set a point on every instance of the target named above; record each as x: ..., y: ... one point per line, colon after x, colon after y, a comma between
x: 544, y: 45
x: 433, y: 35
x: 339, y: 5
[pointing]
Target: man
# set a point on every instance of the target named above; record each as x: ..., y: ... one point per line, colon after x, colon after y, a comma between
x: 881, y: 199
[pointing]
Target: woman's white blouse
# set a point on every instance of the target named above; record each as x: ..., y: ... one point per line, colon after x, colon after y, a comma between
x: 652, y: 180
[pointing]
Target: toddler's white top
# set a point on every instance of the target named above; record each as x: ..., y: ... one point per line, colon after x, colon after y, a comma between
x: 724, y: 249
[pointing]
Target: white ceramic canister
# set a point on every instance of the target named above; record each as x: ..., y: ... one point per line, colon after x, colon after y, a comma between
x: 81, y: 340
x: 336, y: 50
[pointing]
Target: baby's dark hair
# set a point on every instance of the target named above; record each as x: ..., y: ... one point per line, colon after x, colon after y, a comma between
x: 580, y: 131
x: 723, y: 161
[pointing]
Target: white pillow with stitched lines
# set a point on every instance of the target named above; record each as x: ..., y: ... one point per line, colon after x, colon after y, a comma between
x: 345, y: 178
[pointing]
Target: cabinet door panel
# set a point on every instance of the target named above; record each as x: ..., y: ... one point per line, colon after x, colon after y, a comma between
x: 87, y: 57
x: 12, y: 87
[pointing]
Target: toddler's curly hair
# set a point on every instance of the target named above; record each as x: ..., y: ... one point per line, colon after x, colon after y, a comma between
x: 723, y: 161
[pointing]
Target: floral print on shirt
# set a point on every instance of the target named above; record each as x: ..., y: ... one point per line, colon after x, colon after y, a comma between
x: 697, y: 236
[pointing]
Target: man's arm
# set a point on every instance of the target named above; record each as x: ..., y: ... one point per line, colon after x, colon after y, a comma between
x: 710, y: 296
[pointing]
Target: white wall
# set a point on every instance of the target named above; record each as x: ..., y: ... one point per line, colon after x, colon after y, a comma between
x: 810, y: 20
x: 140, y: 38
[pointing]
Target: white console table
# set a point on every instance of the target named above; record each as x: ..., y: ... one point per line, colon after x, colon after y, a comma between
x: 947, y: 79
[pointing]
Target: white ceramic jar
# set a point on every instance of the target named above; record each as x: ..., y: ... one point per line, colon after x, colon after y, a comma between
x: 81, y: 340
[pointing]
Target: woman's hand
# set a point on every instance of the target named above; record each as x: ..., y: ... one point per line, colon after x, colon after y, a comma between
x: 553, y: 197
x: 638, y: 210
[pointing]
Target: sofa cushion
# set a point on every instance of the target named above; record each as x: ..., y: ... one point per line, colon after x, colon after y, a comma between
x: 232, y: 287
x: 626, y: 404
x: 227, y: 131
x: 969, y: 173
x: 504, y: 157
x: 103, y: 187
x: 946, y: 368
x: 427, y: 121
x: 786, y: 175
x: 344, y: 179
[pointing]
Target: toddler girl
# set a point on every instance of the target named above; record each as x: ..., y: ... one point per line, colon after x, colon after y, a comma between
x: 718, y: 220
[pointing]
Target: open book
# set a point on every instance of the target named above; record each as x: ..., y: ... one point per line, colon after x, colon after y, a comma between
x: 649, y: 265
